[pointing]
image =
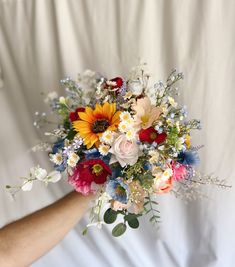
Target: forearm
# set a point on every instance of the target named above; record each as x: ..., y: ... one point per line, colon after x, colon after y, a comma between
x: 24, y: 241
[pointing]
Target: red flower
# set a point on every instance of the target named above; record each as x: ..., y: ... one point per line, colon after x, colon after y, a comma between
x: 118, y: 81
x: 73, y: 116
x: 150, y: 135
x: 86, y: 172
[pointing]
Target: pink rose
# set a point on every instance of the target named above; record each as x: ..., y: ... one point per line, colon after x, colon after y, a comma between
x: 124, y: 151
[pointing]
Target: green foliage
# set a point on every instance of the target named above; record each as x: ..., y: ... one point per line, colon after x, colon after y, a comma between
x: 138, y: 172
x: 172, y: 136
x: 67, y: 123
x: 134, y: 170
x: 132, y: 220
x: 150, y: 207
x: 84, y: 232
x: 110, y: 216
x: 119, y: 229
x: 71, y: 134
x: 146, y: 179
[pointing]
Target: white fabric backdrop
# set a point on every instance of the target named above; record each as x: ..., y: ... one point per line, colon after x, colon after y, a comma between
x: 43, y: 41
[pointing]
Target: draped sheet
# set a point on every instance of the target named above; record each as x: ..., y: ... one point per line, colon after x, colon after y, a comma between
x: 43, y: 41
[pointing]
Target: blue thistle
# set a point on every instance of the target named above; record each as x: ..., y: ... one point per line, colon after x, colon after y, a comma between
x: 189, y: 157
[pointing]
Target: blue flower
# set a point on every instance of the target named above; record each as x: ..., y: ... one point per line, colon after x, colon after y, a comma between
x: 189, y: 157
x: 58, y: 146
x: 118, y: 190
x: 60, y: 168
x: 92, y: 154
x: 147, y: 166
x: 116, y: 171
x: 95, y: 154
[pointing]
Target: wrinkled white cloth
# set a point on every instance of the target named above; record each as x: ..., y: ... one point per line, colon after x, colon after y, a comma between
x: 43, y: 41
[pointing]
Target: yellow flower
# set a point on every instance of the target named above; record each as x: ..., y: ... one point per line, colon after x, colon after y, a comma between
x: 93, y: 123
x: 188, y: 141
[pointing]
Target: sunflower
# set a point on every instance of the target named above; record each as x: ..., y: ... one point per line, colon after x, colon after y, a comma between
x: 93, y: 123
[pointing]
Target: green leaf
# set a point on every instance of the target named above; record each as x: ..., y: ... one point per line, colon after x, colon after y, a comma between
x: 132, y: 220
x: 84, y: 232
x: 154, y: 202
x: 71, y: 134
x: 67, y: 123
x: 119, y: 229
x: 134, y: 223
x: 110, y: 216
x: 129, y: 217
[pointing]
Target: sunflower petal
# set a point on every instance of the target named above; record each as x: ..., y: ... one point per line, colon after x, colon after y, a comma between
x: 85, y: 117
x: 107, y: 110
x: 115, y: 118
x: 89, y: 111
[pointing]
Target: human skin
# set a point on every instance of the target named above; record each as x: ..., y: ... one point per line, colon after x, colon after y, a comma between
x: 24, y: 241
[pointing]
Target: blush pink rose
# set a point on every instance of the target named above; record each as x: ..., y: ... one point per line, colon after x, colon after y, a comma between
x: 124, y: 151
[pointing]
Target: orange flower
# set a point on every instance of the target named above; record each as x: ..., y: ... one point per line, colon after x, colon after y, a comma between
x: 93, y: 123
x: 165, y: 187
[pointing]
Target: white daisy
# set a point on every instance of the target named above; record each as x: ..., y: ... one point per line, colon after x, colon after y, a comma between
x: 125, y: 116
x: 131, y: 134
x: 123, y: 126
x: 104, y: 149
x: 107, y: 137
x: 56, y: 158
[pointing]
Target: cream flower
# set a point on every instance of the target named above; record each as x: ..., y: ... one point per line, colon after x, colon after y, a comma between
x: 54, y: 176
x: 172, y: 101
x: 146, y: 113
x: 137, y: 196
x: 128, y: 95
x: 73, y: 159
x: 116, y: 205
x: 38, y: 173
x: 27, y: 185
x: 154, y: 156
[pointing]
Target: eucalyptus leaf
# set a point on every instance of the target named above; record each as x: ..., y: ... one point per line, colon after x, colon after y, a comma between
x: 119, y: 229
x: 134, y: 223
x: 130, y: 217
x: 110, y: 216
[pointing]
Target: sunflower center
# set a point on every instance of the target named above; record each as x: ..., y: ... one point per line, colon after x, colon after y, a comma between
x: 97, y: 169
x: 153, y: 136
x: 99, y: 126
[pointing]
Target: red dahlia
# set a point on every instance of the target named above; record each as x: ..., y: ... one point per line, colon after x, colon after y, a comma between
x: 118, y: 81
x: 150, y: 135
x: 73, y: 116
x: 93, y: 170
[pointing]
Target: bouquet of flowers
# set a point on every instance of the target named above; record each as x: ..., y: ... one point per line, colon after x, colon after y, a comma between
x: 124, y: 140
